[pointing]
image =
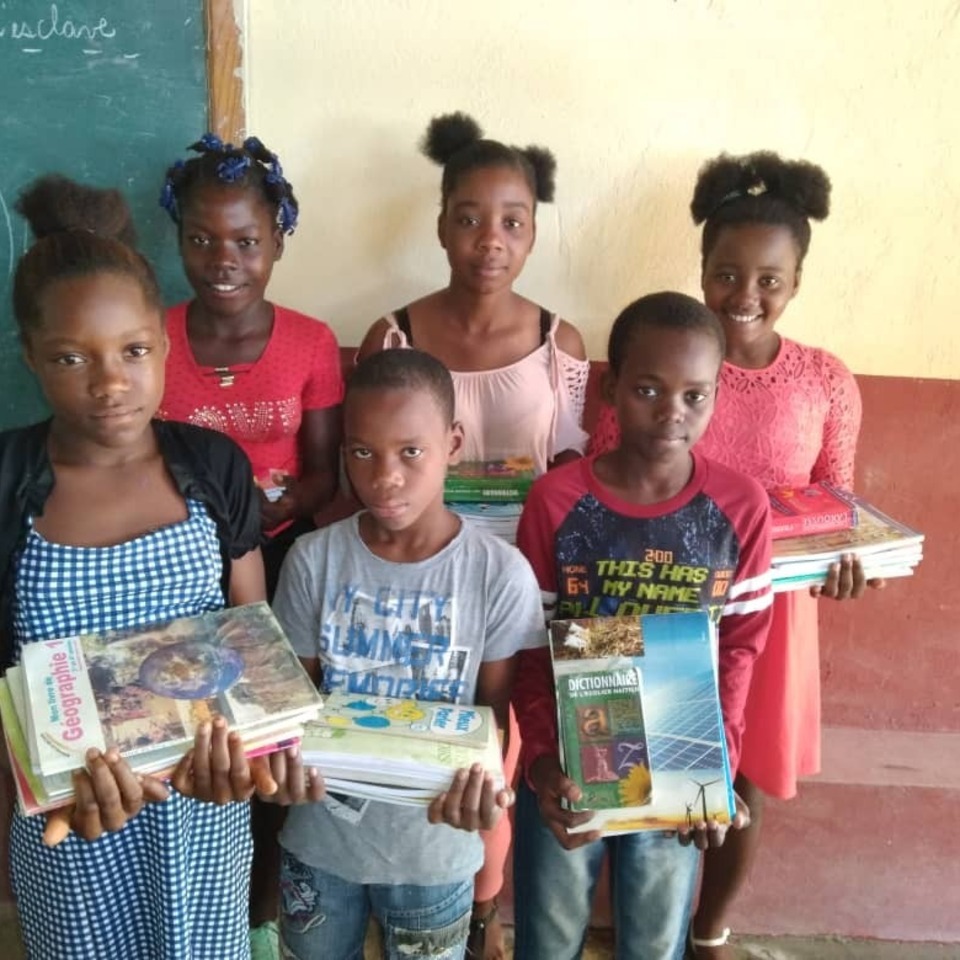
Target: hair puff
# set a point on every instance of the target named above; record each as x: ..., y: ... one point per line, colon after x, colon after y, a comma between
x: 54, y: 204
x: 544, y: 165
x: 803, y: 186
x: 446, y: 135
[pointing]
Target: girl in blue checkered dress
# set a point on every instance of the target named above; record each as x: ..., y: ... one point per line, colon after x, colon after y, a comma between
x: 108, y: 520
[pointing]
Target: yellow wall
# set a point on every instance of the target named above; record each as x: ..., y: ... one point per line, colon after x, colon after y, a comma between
x: 632, y: 95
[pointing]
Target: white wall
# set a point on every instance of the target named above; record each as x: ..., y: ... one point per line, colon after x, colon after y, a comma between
x: 632, y: 95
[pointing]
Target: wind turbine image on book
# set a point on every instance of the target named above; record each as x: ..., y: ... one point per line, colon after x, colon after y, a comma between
x: 702, y: 800
x: 684, y: 772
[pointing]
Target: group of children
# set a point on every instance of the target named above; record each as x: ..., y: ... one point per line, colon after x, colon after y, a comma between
x: 125, y: 508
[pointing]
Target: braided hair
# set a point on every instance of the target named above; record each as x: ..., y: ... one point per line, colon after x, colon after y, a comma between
x: 456, y: 142
x: 250, y: 165
x: 759, y: 188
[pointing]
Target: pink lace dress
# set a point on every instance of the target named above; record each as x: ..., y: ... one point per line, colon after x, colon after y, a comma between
x: 793, y: 422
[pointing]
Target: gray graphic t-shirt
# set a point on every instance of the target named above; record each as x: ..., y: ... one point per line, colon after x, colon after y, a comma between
x: 400, y: 630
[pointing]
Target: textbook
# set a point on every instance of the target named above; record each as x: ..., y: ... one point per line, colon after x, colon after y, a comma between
x: 641, y: 731
x: 145, y: 692
x: 886, y: 548
x: 499, y: 519
x: 400, y: 751
x: 817, y: 508
x: 480, y: 481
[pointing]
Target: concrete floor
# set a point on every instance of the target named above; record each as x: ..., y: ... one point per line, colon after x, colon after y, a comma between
x: 600, y: 947
x: 749, y: 948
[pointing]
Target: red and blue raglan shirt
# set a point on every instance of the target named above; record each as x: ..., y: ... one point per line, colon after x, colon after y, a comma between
x: 707, y: 548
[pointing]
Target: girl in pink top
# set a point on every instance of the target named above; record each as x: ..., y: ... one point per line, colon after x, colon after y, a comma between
x: 266, y: 376
x: 785, y: 414
x: 519, y: 372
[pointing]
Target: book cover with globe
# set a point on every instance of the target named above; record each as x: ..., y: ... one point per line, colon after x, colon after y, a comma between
x: 641, y: 731
x: 145, y: 691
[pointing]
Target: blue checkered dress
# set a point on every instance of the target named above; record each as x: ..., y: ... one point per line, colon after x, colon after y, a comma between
x: 173, y: 884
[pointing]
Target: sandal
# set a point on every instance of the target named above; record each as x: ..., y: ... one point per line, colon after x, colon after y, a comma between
x: 477, y: 938
x: 706, y: 942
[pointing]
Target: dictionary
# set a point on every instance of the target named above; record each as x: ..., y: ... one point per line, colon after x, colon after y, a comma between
x: 640, y: 727
x: 145, y: 692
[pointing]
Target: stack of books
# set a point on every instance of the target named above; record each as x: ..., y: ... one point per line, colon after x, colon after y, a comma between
x: 490, y: 493
x: 886, y: 547
x: 399, y: 751
x: 145, y: 691
x: 641, y: 731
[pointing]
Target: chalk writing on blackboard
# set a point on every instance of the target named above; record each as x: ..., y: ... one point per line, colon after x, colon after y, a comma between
x: 32, y: 35
x: 6, y: 233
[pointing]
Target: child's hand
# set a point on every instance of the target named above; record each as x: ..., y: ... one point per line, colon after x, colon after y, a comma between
x: 552, y: 787
x: 712, y: 834
x: 285, y: 507
x: 294, y: 783
x: 471, y: 803
x: 217, y: 770
x: 107, y: 794
x: 846, y: 580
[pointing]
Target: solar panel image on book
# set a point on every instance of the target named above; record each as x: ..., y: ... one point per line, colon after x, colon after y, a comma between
x: 640, y: 725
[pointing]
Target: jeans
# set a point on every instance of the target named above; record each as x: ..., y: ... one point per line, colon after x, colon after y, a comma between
x: 323, y: 917
x: 653, y: 879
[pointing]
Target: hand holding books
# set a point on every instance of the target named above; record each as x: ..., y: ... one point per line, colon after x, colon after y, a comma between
x: 704, y: 835
x: 473, y: 801
x: 846, y: 580
x: 555, y: 792
x: 840, y: 564
x: 217, y: 769
x: 294, y: 783
x: 107, y: 793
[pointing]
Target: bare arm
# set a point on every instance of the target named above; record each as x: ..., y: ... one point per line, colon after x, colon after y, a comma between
x: 570, y: 341
x: 247, y: 583
x: 494, y: 687
x: 373, y: 341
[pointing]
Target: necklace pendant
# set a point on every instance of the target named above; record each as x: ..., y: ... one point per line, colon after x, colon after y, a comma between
x: 226, y: 375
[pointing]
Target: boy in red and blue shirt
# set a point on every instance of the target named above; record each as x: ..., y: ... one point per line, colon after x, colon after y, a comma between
x: 650, y: 527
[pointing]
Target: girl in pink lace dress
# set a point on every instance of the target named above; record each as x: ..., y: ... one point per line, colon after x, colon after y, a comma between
x: 519, y: 372
x: 785, y: 414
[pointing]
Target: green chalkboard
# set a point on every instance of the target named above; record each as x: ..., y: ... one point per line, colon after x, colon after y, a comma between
x: 106, y: 92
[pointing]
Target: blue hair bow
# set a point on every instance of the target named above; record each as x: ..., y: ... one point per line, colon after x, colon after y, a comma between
x: 168, y: 196
x: 232, y: 169
x: 211, y: 142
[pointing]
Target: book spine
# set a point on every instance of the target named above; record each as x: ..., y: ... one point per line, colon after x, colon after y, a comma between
x: 783, y: 526
x: 485, y: 494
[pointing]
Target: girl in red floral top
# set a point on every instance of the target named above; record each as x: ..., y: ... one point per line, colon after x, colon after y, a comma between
x: 785, y: 414
x: 266, y: 376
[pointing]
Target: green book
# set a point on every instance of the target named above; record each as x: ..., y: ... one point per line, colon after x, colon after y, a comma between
x: 641, y: 731
x: 482, y: 481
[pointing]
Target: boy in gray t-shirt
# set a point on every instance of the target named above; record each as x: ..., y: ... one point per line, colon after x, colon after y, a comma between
x: 406, y: 600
